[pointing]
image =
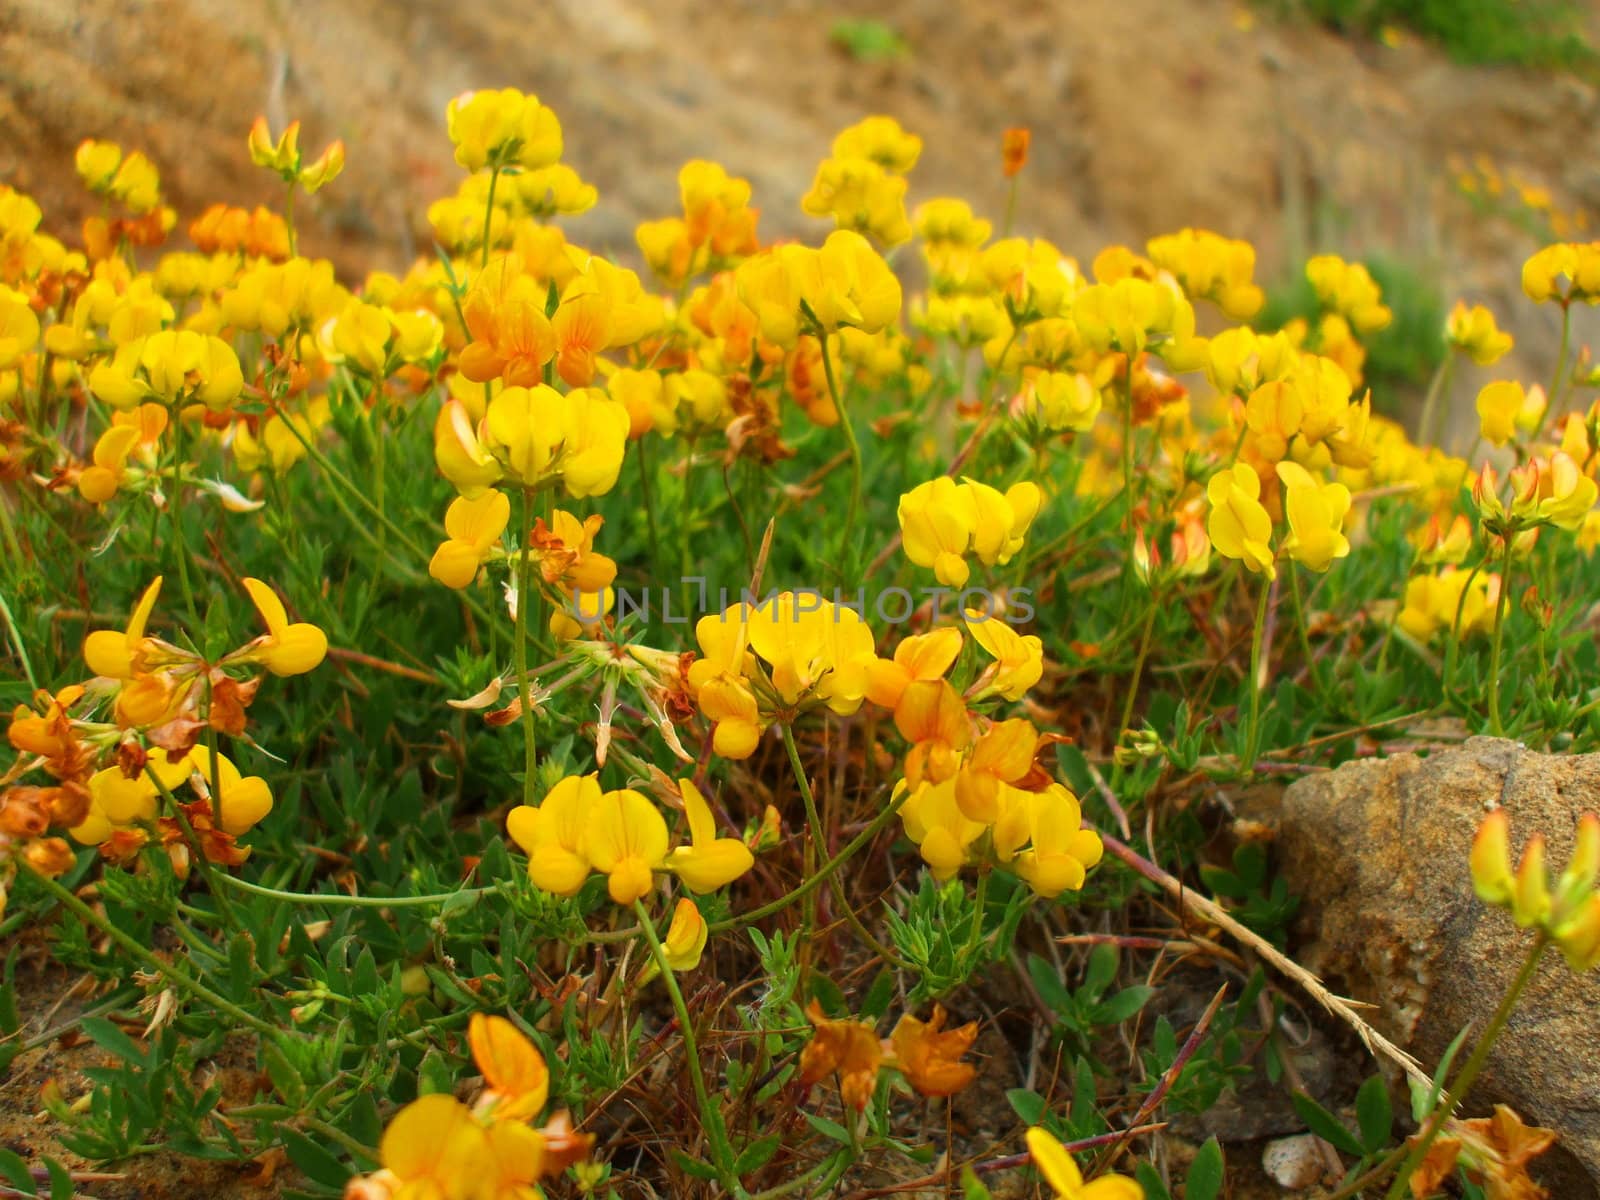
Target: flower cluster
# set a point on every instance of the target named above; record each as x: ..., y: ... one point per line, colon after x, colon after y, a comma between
x: 436, y: 1146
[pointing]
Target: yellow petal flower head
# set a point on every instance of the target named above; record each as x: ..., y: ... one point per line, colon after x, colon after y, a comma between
x: 173, y: 367
x: 1567, y: 910
x: 323, y: 169
x: 281, y: 156
x: 883, y: 141
x: 626, y: 840
x: 285, y: 649
x: 549, y: 191
x: 818, y: 652
x: 1061, y: 400
x: 519, y: 1081
x: 848, y: 283
x: 942, y: 832
x: 708, y: 862
x: 932, y: 716
x: 719, y: 681
x: 1132, y: 313
x: 1499, y: 405
x: 852, y: 1049
x: 716, y: 211
x: 1211, y: 267
x: 1474, y: 333
x: 473, y: 528
x: 1239, y: 525
x: 1002, y: 755
x: 1316, y: 513
x: 19, y: 328
x: 769, y: 285
x: 432, y: 1148
x: 1350, y: 290
x: 512, y: 339
x: 1062, y: 851
x: 861, y: 197
x: 97, y: 163
x: 503, y: 128
x: 1066, y: 1180
x: 941, y: 522
x: 136, y: 184
x: 1579, y: 263
x: 552, y: 834
x: 537, y: 435
x: 929, y: 1055
x: 115, y: 655
x: 925, y: 656
x: 686, y: 937
x: 1557, y: 492
x: 243, y: 799
x: 1018, y: 658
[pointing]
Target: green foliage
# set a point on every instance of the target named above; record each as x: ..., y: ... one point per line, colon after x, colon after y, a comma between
x: 1529, y: 33
x: 868, y: 40
x: 1264, y: 906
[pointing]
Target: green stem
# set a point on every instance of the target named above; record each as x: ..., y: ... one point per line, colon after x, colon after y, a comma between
x: 1138, y: 671
x: 1305, y: 632
x: 1253, y: 737
x: 710, y: 1117
x: 821, y: 876
x: 975, y: 935
x: 1436, y: 388
x: 1452, y: 648
x: 850, y: 439
x: 1556, y: 382
x: 1501, y: 605
x: 288, y: 221
x: 210, y: 874
x: 488, y: 215
x: 646, y: 490
x: 524, y: 603
x: 175, y: 506
x: 179, y: 978
x: 339, y: 900
x: 16, y: 634
x: 819, y: 842
x: 1463, y: 1082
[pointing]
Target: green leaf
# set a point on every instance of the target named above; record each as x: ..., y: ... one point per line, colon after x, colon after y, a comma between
x: 1123, y: 1005
x: 1325, y: 1125
x: 60, y: 1180
x: 693, y: 1166
x: 1374, y: 1114
x: 1103, y: 960
x: 828, y: 1129
x: 435, y: 1074
x: 318, y: 1164
x: 16, y: 1172
x: 879, y: 996
x: 1150, y: 1180
x: 757, y: 1155
x: 972, y: 1187
x: 110, y: 1037
x: 1204, y: 1180
x: 1425, y: 1100
x: 1027, y: 1105
x: 1051, y: 989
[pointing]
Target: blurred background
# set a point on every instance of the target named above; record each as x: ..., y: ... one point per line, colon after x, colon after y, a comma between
x: 1439, y: 140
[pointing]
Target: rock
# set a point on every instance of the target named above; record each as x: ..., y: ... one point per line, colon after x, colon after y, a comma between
x: 1378, y: 852
x: 1293, y: 1162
